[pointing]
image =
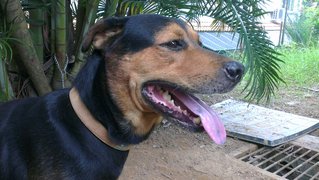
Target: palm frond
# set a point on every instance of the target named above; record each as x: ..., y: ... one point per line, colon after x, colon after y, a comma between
x: 186, y: 9
x: 108, y: 8
x: 260, y: 58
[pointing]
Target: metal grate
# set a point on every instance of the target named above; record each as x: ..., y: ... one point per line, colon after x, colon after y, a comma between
x: 288, y: 161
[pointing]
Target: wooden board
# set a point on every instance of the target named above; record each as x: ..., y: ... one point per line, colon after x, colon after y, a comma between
x: 262, y: 125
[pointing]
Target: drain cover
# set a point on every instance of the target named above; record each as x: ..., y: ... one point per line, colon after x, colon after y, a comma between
x: 288, y: 161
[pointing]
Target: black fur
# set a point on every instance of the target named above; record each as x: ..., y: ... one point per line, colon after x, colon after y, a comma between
x: 139, y: 32
x: 42, y: 138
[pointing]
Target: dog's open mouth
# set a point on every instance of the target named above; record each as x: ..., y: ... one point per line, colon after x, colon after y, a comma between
x: 186, y: 108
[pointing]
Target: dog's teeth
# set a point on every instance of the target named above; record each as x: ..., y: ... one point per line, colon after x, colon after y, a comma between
x: 172, y: 101
x: 167, y: 96
x: 197, y: 120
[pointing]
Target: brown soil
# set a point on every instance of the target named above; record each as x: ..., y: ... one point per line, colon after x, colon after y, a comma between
x: 173, y: 152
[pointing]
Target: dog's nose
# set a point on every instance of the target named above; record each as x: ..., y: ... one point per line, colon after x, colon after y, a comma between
x: 234, y: 70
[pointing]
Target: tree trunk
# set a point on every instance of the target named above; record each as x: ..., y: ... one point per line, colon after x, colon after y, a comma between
x: 25, y: 52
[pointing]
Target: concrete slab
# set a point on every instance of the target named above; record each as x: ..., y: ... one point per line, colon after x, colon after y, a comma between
x: 262, y: 125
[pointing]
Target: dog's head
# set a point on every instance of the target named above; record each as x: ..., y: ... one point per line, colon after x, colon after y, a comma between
x: 154, y: 64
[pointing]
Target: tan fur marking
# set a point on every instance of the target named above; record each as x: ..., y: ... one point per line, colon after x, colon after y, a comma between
x: 102, y: 39
x: 171, y: 32
x: 193, y: 33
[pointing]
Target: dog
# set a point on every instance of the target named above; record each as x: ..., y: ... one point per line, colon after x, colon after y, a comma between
x: 141, y: 69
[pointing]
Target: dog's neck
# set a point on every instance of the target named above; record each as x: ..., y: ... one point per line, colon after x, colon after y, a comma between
x: 90, y: 122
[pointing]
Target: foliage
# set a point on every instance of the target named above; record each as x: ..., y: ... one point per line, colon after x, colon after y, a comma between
x: 305, y: 29
x: 260, y: 59
x: 312, y: 16
x: 301, y: 65
x: 5, y: 56
x: 309, y: 3
x: 6, y: 92
x: 187, y: 9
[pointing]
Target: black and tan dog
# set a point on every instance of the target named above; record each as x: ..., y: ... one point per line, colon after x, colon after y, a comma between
x: 142, y: 68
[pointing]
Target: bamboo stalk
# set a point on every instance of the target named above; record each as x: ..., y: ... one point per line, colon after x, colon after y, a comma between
x: 36, y: 25
x: 60, y: 55
x: 91, y: 10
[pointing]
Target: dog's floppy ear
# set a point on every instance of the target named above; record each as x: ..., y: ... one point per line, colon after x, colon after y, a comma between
x: 102, y: 32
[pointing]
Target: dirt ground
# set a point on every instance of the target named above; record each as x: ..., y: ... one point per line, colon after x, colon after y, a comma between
x: 173, y: 152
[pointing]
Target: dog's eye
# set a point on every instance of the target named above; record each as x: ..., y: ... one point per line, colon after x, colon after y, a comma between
x: 175, y: 45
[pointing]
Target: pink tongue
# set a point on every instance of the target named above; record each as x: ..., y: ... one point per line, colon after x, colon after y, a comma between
x: 210, y: 120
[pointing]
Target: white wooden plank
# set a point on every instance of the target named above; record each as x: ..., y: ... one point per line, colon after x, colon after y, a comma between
x: 262, y: 125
